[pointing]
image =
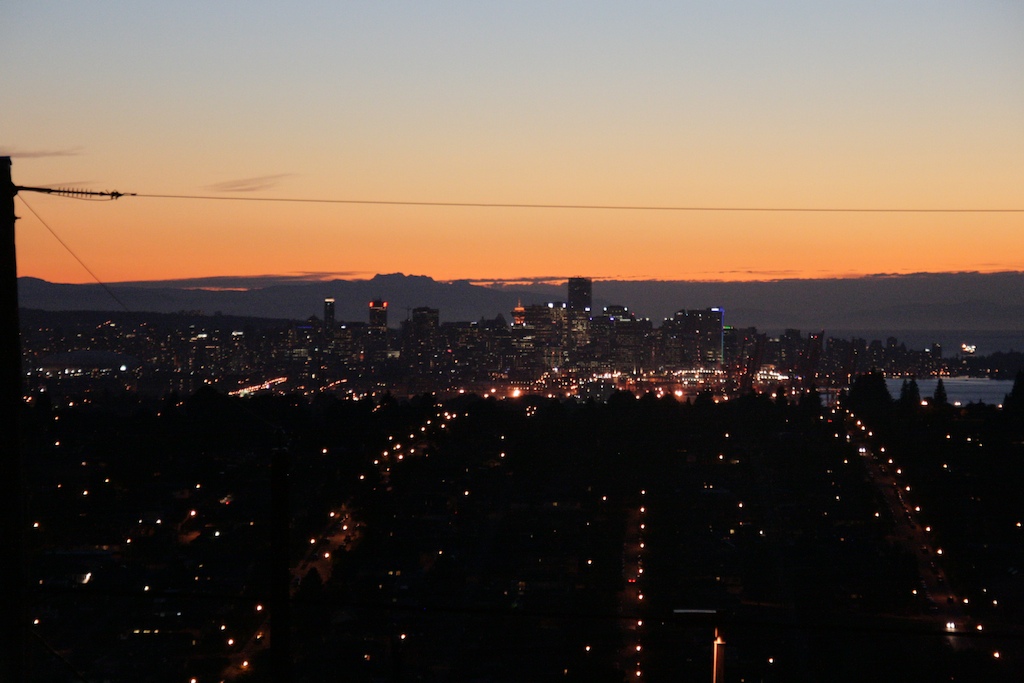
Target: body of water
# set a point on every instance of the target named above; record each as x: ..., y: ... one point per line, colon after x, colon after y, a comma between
x: 986, y: 341
x: 960, y: 389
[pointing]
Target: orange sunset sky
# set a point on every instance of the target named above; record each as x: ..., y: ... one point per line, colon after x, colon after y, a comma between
x: 694, y: 104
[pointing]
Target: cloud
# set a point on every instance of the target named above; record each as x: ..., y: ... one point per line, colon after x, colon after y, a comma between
x: 325, y: 275
x: 498, y: 282
x: 559, y: 280
x: 40, y: 153
x: 244, y: 282
x: 263, y: 182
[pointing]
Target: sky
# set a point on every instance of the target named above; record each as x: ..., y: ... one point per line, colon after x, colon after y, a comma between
x: 880, y: 105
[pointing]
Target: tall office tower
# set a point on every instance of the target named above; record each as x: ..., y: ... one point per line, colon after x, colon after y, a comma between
x: 379, y: 314
x: 693, y: 338
x: 578, y: 320
x: 580, y: 293
x: 708, y: 326
x: 420, y: 337
x: 329, y: 314
x: 425, y: 319
x: 376, y: 341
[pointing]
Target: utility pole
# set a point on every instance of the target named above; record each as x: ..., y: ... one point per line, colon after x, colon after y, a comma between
x: 14, y: 634
x: 13, y: 574
x: 13, y: 613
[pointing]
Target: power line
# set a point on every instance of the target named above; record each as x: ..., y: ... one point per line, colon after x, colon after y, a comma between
x: 80, y: 261
x: 595, y: 207
x: 59, y: 657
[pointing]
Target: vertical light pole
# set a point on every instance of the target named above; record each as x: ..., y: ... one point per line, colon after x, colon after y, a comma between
x: 705, y: 617
x: 718, y: 660
x: 13, y: 615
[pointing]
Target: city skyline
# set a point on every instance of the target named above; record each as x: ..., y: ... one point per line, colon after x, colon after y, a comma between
x: 951, y: 307
x: 566, y: 345
x: 740, y: 106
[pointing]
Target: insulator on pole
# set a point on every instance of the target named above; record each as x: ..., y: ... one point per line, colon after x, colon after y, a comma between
x: 73, y: 192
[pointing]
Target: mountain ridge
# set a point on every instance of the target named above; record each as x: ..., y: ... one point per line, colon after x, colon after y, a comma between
x: 976, y: 301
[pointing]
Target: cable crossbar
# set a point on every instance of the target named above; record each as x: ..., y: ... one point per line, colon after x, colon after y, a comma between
x: 73, y: 192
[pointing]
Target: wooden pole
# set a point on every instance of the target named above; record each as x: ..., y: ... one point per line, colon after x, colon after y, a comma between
x: 13, y: 613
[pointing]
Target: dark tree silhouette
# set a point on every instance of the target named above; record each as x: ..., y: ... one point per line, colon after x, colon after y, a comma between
x: 1014, y: 401
x: 869, y: 395
x: 910, y: 394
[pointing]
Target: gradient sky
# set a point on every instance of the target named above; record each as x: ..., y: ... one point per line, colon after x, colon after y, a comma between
x: 909, y: 104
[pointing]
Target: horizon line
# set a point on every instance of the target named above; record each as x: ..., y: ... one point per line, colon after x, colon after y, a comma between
x: 496, y: 282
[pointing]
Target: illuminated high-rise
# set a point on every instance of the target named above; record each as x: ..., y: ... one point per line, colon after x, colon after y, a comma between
x: 329, y: 314
x: 580, y: 302
x: 693, y: 338
x: 379, y: 314
x: 580, y: 293
x: 376, y: 341
x: 420, y: 337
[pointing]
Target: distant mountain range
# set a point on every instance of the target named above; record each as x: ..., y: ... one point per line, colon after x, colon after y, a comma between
x: 925, y: 301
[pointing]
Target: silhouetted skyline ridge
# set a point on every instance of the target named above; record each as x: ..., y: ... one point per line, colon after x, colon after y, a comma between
x: 946, y: 301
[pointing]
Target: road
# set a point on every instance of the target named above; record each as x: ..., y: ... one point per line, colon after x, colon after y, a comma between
x: 941, y: 604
